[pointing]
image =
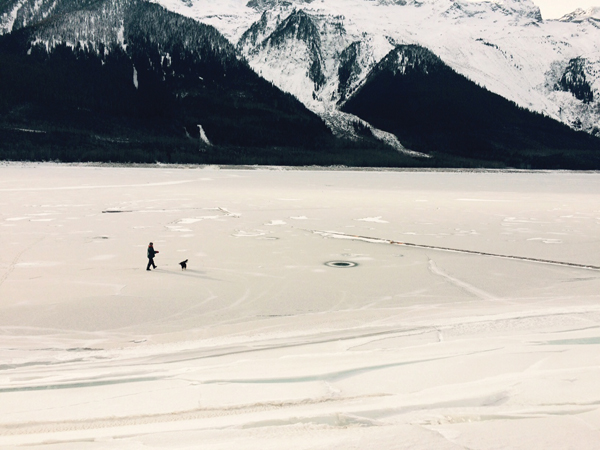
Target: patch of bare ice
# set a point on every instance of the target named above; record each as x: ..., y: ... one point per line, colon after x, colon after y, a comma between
x: 373, y: 219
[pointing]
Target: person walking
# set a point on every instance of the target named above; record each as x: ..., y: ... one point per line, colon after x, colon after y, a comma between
x: 151, y: 253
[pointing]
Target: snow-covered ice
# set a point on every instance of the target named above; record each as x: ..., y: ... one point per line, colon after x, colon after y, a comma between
x: 261, y: 344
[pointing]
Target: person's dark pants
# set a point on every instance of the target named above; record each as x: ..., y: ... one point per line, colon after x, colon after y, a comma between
x: 150, y: 263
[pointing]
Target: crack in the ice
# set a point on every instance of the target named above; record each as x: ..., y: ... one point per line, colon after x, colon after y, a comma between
x: 460, y: 284
x: 78, y: 385
x: 337, y: 375
x: 376, y: 240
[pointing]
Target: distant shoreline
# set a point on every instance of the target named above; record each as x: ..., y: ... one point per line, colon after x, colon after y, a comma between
x: 336, y: 168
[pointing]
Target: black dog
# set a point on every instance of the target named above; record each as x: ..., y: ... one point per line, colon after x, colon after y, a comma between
x: 183, y: 264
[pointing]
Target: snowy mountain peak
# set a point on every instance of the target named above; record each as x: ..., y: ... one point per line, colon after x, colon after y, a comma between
x: 523, y: 8
x: 516, y: 9
x: 294, y: 41
x: 581, y: 15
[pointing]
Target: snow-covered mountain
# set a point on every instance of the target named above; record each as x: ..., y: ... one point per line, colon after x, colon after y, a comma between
x: 591, y: 15
x: 327, y: 52
x: 321, y: 51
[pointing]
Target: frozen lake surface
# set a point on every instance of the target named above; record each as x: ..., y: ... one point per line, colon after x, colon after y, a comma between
x: 302, y: 320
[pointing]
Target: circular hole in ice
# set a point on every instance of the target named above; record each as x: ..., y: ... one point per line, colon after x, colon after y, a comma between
x: 341, y: 264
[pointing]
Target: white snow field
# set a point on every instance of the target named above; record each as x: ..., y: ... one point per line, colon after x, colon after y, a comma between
x: 261, y: 345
